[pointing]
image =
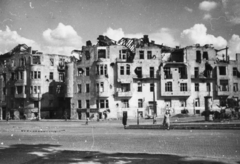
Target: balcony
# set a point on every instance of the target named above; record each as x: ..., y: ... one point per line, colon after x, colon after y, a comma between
x: 201, y: 76
x: 22, y: 95
x: 124, y: 94
x: 145, y: 76
x: 36, y: 96
x: 223, y: 90
x: 121, y: 60
x: 103, y: 94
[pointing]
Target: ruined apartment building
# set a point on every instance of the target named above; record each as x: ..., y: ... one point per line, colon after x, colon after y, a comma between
x: 195, y: 78
x: 135, y: 76
x: 111, y: 79
x: 32, y: 80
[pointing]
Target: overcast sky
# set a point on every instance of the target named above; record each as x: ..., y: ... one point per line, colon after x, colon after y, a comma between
x: 59, y: 26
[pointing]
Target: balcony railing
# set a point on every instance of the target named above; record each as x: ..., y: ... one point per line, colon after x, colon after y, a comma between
x: 22, y: 95
x: 145, y: 76
x: 124, y: 94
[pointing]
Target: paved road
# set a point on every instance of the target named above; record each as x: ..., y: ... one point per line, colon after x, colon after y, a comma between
x: 107, y: 142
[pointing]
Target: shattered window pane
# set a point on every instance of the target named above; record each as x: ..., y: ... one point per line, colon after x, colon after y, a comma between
x: 36, y: 60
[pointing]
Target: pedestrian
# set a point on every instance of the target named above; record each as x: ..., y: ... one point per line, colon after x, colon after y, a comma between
x: 154, y: 119
x: 8, y: 116
x: 65, y: 115
x: 124, y: 120
x: 166, y: 120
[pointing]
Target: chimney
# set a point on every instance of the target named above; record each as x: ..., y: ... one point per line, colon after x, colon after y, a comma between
x: 30, y: 50
x: 145, y: 39
x: 88, y: 43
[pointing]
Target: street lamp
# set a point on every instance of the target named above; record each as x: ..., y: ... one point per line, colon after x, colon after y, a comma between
x: 39, y: 112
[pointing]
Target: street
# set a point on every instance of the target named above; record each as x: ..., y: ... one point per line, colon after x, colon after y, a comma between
x: 108, y: 142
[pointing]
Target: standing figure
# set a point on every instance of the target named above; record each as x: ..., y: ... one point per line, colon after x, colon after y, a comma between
x: 166, y: 120
x: 124, y: 119
x: 65, y: 115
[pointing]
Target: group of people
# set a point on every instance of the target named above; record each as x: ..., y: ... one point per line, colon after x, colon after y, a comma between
x: 166, y: 119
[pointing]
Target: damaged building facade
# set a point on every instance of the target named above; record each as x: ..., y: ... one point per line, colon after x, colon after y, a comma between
x: 132, y: 76
x: 138, y: 77
x: 30, y: 81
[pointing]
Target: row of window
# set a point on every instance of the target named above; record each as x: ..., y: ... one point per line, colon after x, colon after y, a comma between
x: 142, y: 55
x: 80, y: 90
x: 100, y: 104
x: 125, y: 103
x: 168, y: 87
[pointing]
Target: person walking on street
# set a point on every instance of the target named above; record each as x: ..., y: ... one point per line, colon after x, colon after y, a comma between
x: 124, y: 120
x: 166, y: 120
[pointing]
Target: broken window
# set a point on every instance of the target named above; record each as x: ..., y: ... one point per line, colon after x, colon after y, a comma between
x: 235, y: 87
x: 183, y: 87
x: 183, y: 103
x: 79, y: 104
x: 61, y: 62
x: 222, y: 70
x: 20, y: 75
x: 208, y: 87
x: 39, y: 75
x: 151, y: 72
x: 87, y: 53
x: 87, y: 103
x: 19, y: 89
x: 196, y: 72
x: 140, y: 103
x: 35, y: 74
x: 182, y: 72
x: 51, y: 61
x: 51, y: 75
x: 197, y: 102
x: 141, y: 54
x: 105, y: 69
x: 198, y: 56
x: 128, y: 69
x: 125, y: 103
x: 61, y: 77
x: 235, y: 71
x: 121, y: 70
x: 80, y: 71
x: 197, y: 87
x: 208, y: 70
x: 79, y: 88
x: 87, y: 88
x: 125, y: 87
x: 151, y: 87
x: 87, y: 71
x: 139, y: 87
x: 167, y: 73
x: 36, y: 60
x: 138, y: 72
x: 101, y: 54
x: 168, y: 87
x: 223, y: 85
x: 205, y: 55
x: 149, y: 54
x: 31, y: 75
x: 35, y: 90
x: 101, y: 70
x: 101, y: 87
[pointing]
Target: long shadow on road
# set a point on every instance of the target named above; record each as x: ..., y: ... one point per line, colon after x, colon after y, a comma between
x: 48, y: 154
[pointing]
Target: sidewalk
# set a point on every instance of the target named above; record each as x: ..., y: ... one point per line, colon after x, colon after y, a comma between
x: 188, y: 123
